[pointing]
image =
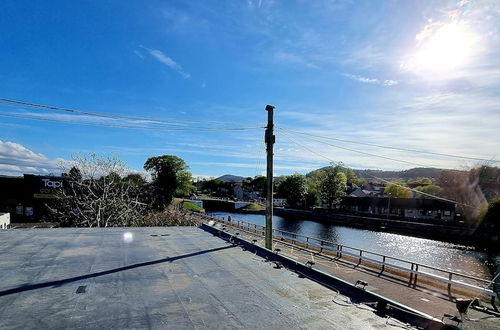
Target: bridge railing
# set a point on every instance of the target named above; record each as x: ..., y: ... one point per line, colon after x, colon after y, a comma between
x: 414, y: 269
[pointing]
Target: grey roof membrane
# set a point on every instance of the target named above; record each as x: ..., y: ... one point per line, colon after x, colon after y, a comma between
x: 175, y: 277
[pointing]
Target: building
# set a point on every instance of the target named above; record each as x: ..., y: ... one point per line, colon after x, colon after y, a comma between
x: 415, y: 208
x: 26, y: 197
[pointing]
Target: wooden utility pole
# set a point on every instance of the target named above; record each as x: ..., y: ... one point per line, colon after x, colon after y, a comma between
x: 269, y: 139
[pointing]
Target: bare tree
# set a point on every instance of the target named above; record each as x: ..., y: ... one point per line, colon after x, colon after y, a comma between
x: 96, y: 195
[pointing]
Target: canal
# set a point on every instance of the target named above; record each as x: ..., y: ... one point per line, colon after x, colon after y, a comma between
x: 459, y: 258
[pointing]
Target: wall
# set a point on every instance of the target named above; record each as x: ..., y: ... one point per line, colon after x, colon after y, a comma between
x: 4, y: 220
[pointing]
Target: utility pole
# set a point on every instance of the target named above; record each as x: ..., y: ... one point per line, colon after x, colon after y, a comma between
x: 269, y: 139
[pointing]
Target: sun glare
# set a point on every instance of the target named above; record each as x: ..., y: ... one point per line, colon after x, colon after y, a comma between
x: 443, y: 48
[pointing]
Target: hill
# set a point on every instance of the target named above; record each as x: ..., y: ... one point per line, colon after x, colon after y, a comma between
x: 413, y: 173
x: 231, y: 178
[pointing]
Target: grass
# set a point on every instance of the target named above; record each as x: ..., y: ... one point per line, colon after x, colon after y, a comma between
x: 253, y: 207
x: 192, y: 207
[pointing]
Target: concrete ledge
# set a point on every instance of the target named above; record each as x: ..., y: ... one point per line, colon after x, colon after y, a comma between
x: 384, y: 306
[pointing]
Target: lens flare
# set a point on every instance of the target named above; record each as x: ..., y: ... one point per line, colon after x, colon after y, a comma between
x: 442, y: 48
x: 128, y: 237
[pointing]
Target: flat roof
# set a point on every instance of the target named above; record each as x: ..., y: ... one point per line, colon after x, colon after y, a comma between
x: 173, y: 277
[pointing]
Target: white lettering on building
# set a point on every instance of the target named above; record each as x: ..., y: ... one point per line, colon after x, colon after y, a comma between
x: 52, y: 184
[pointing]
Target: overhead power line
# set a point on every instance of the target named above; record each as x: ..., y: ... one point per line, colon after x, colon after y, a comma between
x: 377, y: 178
x: 360, y: 152
x: 112, y: 115
x: 184, y: 128
x: 395, y: 148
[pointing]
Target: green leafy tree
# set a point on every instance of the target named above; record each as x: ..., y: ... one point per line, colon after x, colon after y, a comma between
x: 258, y: 184
x: 422, y: 181
x: 312, y: 198
x: 332, y: 185
x: 430, y: 189
x: 398, y: 189
x: 293, y: 188
x: 214, y: 185
x: 170, y: 178
x: 134, y: 180
x: 352, y: 179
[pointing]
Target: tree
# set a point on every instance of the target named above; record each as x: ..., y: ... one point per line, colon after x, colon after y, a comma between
x: 332, y: 185
x: 463, y: 187
x: 488, y: 180
x: 94, y: 195
x: 312, y: 197
x: 430, y: 189
x: 398, y: 189
x: 170, y: 178
x: 135, y: 180
x: 257, y: 184
x: 352, y: 179
x: 422, y: 181
x: 293, y: 188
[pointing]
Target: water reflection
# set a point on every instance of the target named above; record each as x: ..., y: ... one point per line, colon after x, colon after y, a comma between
x: 293, y: 226
x: 429, y: 252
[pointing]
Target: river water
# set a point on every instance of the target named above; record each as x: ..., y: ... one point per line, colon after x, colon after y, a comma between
x: 458, y: 258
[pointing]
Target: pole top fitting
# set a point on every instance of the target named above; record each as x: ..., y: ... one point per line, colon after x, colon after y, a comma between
x: 270, y: 107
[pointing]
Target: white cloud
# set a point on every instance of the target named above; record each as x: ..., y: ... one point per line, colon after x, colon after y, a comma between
x: 361, y: 79
x: 390, y: 82
x: 366, y: 80
x: 16, y: 159
x: 161, y: 57
x: 463, y: 123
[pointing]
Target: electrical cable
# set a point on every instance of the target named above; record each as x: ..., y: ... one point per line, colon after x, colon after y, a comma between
x: 383, y: 180
x: 111, y: 114
x: 184, y: 128
x: 117, y: 119
x: 366, y: 153
x: 396, y: 148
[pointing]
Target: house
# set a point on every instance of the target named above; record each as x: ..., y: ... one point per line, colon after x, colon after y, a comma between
x: 279, y: 202
x: 357, y: 192
x: 374, y: 189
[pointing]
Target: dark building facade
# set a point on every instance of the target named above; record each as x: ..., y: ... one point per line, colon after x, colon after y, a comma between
x: 416, y: 208
x: 26, y: 198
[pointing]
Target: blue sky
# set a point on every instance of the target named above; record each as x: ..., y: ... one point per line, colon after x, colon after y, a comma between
x: 422, y: 75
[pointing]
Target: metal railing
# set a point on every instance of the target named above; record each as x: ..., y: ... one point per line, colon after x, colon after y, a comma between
x: 339, y: 250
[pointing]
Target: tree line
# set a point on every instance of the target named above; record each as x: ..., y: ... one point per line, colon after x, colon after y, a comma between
x: 99, y: 191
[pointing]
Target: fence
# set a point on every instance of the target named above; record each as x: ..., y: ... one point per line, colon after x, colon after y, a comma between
x: 413, y: 268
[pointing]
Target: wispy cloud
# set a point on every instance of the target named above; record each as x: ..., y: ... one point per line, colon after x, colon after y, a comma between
x: 138, y: 53
x: 162, y: 58
x: 367, y: 80
x: 362, y: 79
x: 444, y: 122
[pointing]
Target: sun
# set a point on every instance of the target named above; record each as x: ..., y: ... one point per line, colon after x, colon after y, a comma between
x: 443, y: 48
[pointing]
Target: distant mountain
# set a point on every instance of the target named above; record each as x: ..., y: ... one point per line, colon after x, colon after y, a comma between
x: 231, y: 178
